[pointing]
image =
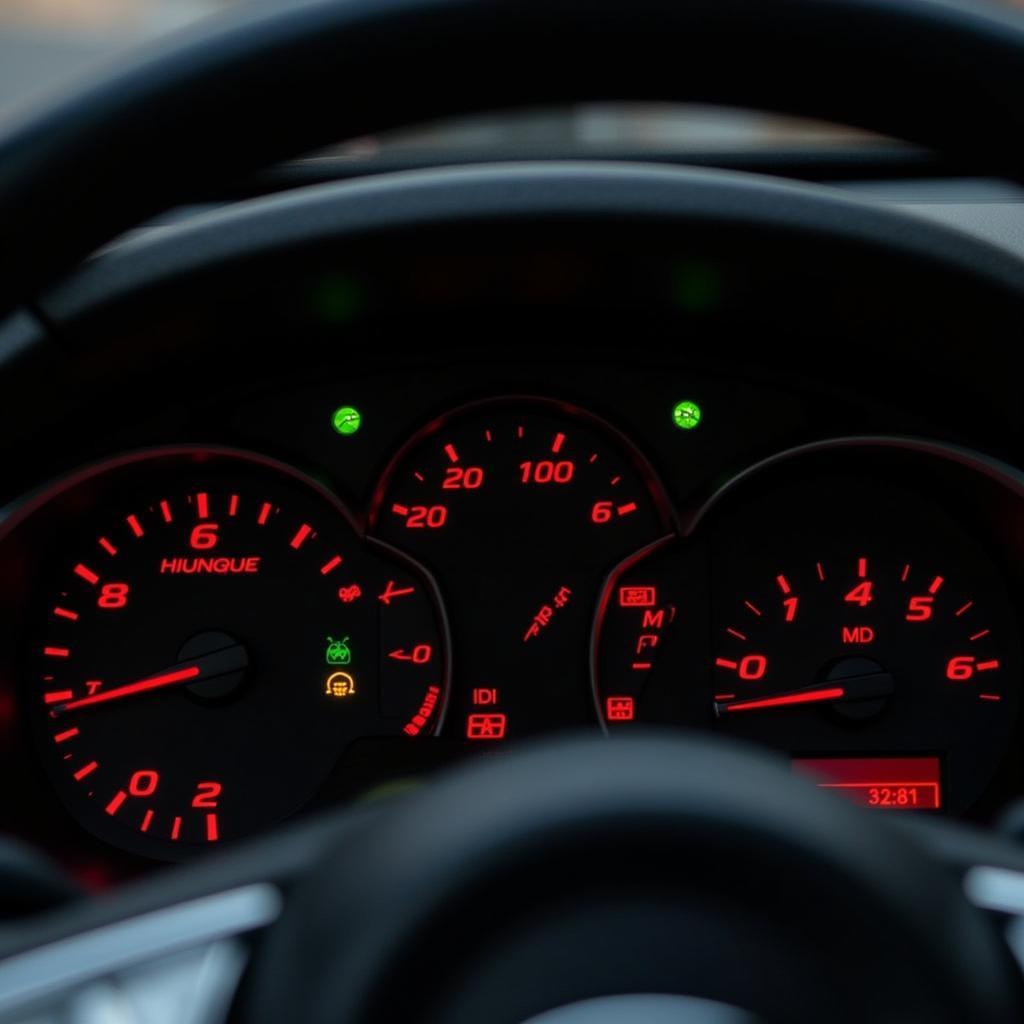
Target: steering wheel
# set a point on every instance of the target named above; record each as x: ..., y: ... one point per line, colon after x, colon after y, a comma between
x: 577, y: 870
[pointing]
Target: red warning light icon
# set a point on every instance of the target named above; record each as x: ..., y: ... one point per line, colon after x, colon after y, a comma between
x: 638, y: 597
x: 619, y: 709
x: 486, y: 727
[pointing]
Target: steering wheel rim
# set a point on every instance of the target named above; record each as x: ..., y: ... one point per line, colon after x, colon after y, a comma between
x: 455, y: 904
x: 196, y: 109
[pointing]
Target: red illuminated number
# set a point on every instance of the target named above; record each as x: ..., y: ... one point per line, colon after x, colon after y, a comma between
x: 892, y: 796
x: 791, y: 604
x: 113, y: 595
x: 143, y: 783
x: 433, y: 517
x: 960, y: 669
x: 919, y: 609
x: 204, y: 536
x: 469, y: 479
x: 206, y: 795
x: 546, y: 472
x: 419, y: 655
x: 861, y: 594
x: 601, y: 512
x: 753, y: 666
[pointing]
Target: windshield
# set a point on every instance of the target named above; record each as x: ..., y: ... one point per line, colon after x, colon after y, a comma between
x: 48, y: 45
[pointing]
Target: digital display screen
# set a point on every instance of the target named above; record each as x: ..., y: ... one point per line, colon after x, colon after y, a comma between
x: 897, y: 783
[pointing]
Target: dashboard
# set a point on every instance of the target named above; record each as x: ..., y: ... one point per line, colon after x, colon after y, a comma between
x: 315, y: 508
x: 282, y: 592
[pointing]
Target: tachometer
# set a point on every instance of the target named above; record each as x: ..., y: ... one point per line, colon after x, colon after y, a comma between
x: 879, y: 651
x: 519, y: 508
x: 215, y: 636
x: 882, y: 673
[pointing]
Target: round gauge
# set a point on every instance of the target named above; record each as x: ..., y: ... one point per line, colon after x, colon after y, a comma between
x: 519, y: 508
x: 881, y: 671
x: 215, y: 636
x: 881, y: 654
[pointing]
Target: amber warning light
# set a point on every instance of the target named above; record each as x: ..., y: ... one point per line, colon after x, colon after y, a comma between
x: 899, y: 783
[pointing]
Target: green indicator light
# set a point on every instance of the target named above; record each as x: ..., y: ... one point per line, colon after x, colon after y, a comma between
x: 347, y: 420
x: 338, y: 652
x: 686, y: 415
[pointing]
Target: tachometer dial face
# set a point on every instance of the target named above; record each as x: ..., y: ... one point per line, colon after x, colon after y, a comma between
x: 883, y: 672
x: 215, y: 636
x: 880, y: 653
x: 519, y: 508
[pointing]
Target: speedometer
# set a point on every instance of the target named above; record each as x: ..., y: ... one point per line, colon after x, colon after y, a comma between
x: 519, y: 508
x: 215, y: 636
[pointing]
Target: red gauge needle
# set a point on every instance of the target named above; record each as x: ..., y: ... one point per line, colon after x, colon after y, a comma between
x: 218, y: 663
x: 129, y: 689
x: 830, y: 693
x: 869, y: 686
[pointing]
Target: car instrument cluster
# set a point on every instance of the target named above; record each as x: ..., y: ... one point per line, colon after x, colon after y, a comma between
x: 214, y: 640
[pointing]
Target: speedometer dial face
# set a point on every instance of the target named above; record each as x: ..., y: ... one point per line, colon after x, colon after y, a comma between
x: 519, y: 509
x: 214, y: 638
x: 881, y: 654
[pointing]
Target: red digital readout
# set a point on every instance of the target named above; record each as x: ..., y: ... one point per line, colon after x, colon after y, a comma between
x: 899, y: 783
